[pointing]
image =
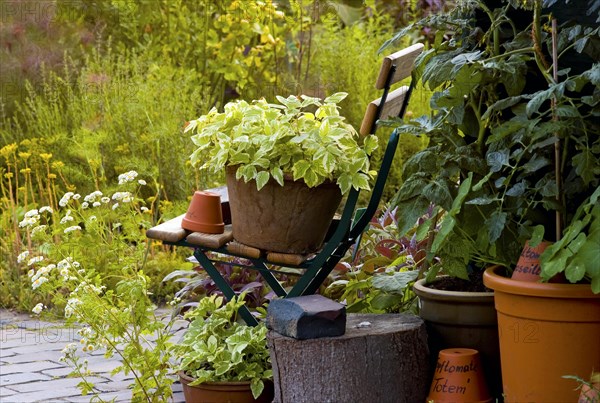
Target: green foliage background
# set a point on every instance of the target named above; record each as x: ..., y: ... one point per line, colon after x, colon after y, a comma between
x: 101, y: 88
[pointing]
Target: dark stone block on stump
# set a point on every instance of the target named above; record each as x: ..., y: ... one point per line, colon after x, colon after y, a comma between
x: 307, y: 317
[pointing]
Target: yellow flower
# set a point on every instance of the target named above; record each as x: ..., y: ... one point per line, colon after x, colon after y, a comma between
x: 25, y: 171
x: 8, y: 175
x: 46, y: 156
x: 58, y: 165
x: 51, y: 176
x: 8, y: 150
x: 24, y: 155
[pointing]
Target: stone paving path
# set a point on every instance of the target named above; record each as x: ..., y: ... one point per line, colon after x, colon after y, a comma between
x: 30, y: 370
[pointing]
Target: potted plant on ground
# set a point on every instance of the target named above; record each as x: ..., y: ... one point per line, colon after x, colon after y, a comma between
x: 221, y: 359
x: 273, y: 155
x: 500, y: 116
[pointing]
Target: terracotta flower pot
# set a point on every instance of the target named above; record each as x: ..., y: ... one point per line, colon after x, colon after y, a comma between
x: 546, y: 331
x: 462, y: 319
x: 223, y: 392
x: 458, y: 378
x: 290, y: 219
x: 528, y: 265
x: 204, y: 214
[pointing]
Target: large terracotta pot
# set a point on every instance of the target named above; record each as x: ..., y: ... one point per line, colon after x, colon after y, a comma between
x: 290, y: 219
x: 223, y: 392
x: 462, y: 319
x: 547, y: 330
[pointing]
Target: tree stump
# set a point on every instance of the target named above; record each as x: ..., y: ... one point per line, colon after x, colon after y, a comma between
x: 384, y: 362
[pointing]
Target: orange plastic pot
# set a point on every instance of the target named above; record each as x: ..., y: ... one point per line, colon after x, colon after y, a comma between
x: 223, y: 392
x: 546, y: 331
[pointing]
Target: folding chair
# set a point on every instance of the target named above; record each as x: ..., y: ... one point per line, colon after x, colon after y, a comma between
x: 344, y: 231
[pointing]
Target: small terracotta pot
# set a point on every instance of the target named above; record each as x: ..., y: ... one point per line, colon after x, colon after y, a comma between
x: 223, y: 392
x: 528, y: 265
x: 204, y: 214
x: 458, y: 378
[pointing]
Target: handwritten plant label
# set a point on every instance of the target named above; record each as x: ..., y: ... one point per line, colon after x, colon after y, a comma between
x: 446, y: 381
x: 528, y: 266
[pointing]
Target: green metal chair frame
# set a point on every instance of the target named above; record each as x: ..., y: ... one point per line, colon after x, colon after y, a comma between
x: 345, y: 231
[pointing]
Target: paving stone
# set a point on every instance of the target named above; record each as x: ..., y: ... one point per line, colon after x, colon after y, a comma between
x: 307, y: 317
x: 54, y: 384
x: 39, y: 348
x: 113, y: 386
x: 28, y: 367
x: 14, y: 379
x: 50, y: 394
x: 5, y: 392
x: 33, y: 357
x: 4, y: 354
x: 61, y: 372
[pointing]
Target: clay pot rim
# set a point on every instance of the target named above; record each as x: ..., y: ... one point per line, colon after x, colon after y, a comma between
x: 422, y: 290
x: 500, y: 283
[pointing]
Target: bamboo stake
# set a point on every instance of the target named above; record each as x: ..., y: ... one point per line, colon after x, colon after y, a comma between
x: 557, y: 156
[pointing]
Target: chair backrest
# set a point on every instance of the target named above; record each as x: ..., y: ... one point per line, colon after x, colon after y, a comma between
x: 395, y: 67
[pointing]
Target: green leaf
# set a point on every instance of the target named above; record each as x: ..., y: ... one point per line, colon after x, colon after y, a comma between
x: 584, y: 163
x: 495, y: 224
x: 261, y: 179
x: 575, y: 270
x: 277, y: 174
x: 517, y: 190
x: 336, y: 98
x: 540, y: 97
x: 382, y: 301
x: 446, y: 228
x: 299, y: 169
x: 536, y: 236
x: 496, y: 160
x: 396, y: 282
x: 257, y: 386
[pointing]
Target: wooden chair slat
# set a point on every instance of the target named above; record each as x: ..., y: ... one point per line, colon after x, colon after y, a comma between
x: 286, y: 258
x: 210, y: 240
x: 392, y: 107
x: 243, y: 250
x: 404, y: 61
x: 169, y: 231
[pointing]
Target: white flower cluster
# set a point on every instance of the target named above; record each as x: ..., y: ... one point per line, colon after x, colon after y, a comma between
x: 47, y: 209
x: 124, y: 197
x: 40, y: 278
x: 31, y: 218
x: 72, y: 304
x: 92, y: 197
x: 65, y: 199
x: 127, y: 177
x: 66, y: 218
x: 34, y: 260
x: 22, y: 256
x: 68, y: 351
x: 38, y: 308
x: 72, y: 228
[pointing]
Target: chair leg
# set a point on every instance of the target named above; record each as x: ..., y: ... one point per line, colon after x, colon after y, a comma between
x: 223, y: 285
x: 269, y: 278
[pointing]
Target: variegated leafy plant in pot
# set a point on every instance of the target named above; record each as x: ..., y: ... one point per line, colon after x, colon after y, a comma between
x: 287, y: 164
